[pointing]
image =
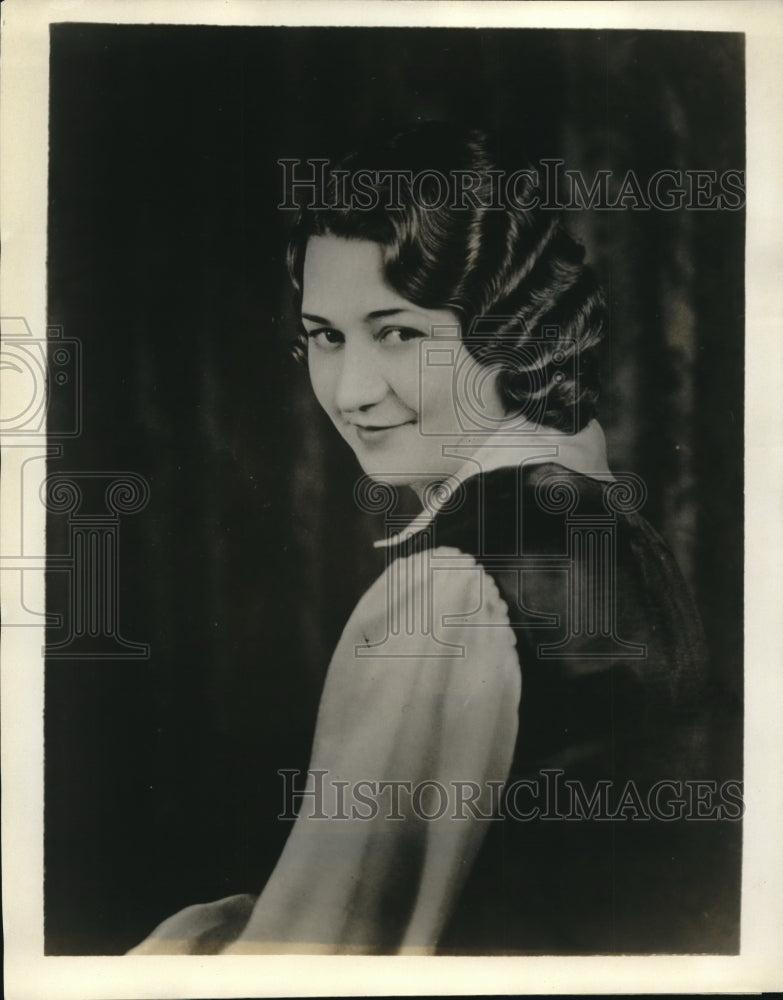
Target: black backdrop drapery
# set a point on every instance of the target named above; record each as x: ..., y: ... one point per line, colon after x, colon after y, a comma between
x: 166, y: 263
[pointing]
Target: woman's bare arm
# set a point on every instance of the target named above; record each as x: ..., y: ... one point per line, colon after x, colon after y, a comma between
x: 433, y: 699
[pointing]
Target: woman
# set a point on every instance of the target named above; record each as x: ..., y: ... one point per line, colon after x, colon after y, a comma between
x: 509, y: 698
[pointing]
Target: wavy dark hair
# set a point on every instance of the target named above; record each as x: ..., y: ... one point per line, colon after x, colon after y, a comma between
x: 527, y: 302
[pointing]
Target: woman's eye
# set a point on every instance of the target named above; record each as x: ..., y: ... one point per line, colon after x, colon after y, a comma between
x: 400, y: 334
x: 325, y: 339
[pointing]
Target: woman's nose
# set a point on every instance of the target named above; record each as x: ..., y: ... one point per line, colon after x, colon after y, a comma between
x: 361, y: 383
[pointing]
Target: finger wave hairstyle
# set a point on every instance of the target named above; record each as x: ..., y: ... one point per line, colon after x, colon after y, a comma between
x: 527, y: 303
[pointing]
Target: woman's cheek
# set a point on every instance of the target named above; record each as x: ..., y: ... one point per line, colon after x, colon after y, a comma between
x: 409, y: 383
x: 320, y: 382
x: 437, y: 413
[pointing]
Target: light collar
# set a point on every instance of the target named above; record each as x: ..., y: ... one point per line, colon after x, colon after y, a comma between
x: 583, y: 452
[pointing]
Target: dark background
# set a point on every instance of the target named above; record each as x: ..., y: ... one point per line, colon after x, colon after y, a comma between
x: 166, y: 263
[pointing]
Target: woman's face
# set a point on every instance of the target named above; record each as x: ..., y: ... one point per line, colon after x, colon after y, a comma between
x: 383, y: 368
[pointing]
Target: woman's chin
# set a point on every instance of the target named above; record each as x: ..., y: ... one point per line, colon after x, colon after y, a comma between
x: 416, y: 479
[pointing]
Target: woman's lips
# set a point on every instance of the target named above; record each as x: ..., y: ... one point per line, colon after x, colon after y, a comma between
x: 375, y: 433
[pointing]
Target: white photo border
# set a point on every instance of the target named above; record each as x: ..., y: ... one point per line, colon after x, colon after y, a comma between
x: 23, y: 200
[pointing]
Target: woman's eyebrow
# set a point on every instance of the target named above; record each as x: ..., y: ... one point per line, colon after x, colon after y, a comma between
x: 398, y: 311
x: 378, y: 313
x: 375, y: 314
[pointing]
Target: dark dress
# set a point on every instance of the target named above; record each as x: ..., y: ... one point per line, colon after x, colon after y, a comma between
x: 612, y: 659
